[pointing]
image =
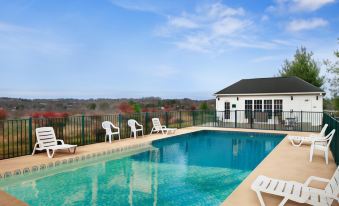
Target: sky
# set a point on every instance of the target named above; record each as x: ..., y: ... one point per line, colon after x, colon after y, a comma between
x: 162, y: 48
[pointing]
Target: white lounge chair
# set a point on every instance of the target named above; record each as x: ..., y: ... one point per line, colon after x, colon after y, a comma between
x: 297, y: 141
x: 133, y: 124
x: 322, y: 144
x: 46, y: 140
x: 157, y: 127
x: 298, y: 192
x: 107, y: 126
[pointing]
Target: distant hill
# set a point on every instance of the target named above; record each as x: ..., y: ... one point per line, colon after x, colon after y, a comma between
x: 17, y: 107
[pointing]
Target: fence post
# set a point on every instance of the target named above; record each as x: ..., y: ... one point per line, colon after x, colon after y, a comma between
x: 273, y: 116
x: 236, y: 118
x: 30, y: 135
x: 119, y: 123
x: 146, y: 122
x: 166, y: 118
x: 180, y: 119
x: 301, y: 127
x: 83, y: 129
x: 215, y: 118
x: 252, y: 112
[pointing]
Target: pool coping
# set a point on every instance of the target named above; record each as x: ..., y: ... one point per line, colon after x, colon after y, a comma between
x: 119, y: 147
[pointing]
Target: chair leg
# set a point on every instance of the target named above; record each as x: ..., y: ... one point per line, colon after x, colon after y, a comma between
x: 283, y: 202
x: 311, y: 152
x: 261, y: 200
x: 326, y: 156
x: 34, y: 149
x: 49, y: 154
x: 110, y: 139
x: 297, y: 145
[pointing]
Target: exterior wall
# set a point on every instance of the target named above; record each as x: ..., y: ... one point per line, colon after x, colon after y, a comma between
x: 300, y: 102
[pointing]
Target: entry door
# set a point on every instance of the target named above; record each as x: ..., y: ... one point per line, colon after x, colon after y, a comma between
x: 227, y: 110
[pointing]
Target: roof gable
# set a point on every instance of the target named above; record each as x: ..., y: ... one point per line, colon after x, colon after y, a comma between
x: 270, y: 85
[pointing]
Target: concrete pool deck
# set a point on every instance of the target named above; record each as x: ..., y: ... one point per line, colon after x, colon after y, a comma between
x: 285, y: 162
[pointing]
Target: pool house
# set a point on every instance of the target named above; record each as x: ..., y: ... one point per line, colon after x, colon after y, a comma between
x: 284, y: 101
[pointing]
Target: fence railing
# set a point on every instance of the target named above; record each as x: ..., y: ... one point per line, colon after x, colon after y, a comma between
x: 333, y: 123
x: 17, y: 137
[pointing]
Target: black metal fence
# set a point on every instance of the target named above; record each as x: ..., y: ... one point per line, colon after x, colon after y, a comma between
x: 333, y: 123
x: 17, y: 137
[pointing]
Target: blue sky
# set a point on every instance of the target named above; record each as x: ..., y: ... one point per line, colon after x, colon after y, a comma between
x: 139, y: 48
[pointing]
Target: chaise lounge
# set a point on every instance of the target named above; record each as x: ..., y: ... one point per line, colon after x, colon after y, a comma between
x: 46, y: 140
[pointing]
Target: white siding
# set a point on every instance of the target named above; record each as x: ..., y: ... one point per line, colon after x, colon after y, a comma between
x: 300, y: 102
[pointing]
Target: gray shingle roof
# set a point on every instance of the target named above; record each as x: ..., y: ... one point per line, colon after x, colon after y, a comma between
x: 270, y: 85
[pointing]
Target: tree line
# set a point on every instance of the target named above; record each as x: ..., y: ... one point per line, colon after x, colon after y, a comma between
x: 304, y: 66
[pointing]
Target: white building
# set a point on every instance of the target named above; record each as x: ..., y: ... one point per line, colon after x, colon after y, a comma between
x: 269, y: 100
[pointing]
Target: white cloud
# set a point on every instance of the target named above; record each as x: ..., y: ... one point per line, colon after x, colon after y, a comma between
x: 218, y: 10
x: 309, y: 5
x: 182, y: 22
x: 228, y: 26
x: 208, y: 28
x: 302, y: 24
x: 282, y: 6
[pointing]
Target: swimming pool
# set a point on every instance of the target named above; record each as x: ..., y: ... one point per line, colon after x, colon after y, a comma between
x: 199, y: 168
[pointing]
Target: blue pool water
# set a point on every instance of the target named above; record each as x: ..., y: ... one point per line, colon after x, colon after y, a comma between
x: 200, y: 168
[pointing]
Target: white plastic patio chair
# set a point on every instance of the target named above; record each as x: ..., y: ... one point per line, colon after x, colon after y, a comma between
x: 322, y: 144
x: 133, y: 124
x: 107, y: 125
x: 297, y: 141
x: 46, y: 140
x: 157, y: 127
x: 298, y: 192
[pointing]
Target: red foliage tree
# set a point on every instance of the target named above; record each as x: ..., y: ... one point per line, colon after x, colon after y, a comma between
x: 36, y: 115
x: 3, y: 114
x: 124, y: 107
x: 49, y: 114
x: 145, y: 109
x: 193, y: 107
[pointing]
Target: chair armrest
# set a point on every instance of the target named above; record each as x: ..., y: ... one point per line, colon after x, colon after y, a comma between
x: 163, y: 126
x: 138, y: 124
x: 60, y: 140
x: 314, y: 178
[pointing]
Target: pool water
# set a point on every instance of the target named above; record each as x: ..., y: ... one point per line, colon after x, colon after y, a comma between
x: 200, y: 168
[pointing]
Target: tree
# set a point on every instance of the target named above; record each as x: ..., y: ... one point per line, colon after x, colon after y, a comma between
x: 203, y: 106
x: 333, y: 78
x: 92, y: 106
x: 124, y: 107
x: 3, y: 114
x: 137, y: 108
x: 104, y: 106
x: 304, y: 67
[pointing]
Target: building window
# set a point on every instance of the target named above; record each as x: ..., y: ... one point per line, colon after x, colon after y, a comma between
x: 278, y: 106
x: 248, y: 109
x: 268, y: 108
x: 291, y: 97
x: 227, y: 110
x: 257, y: 107
x: 317, y: 97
